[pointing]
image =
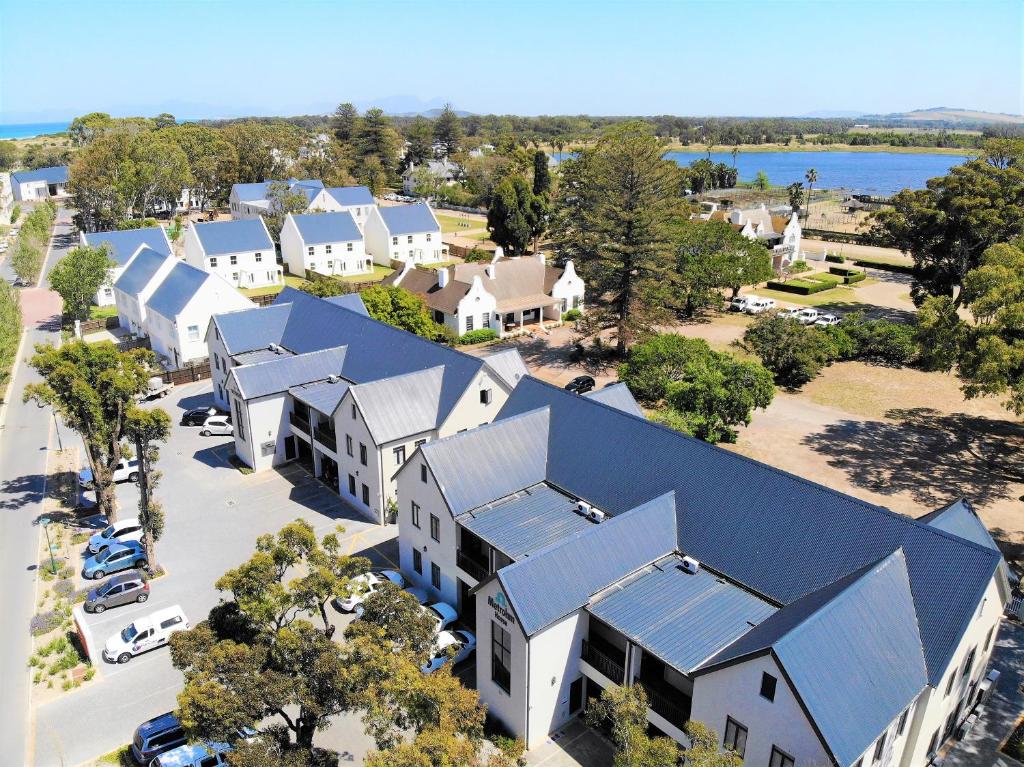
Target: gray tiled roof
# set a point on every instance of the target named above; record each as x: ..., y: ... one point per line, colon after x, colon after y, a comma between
x: 251, y: 329
x: 122, y: 244
x: 507, y: 365
x: 287, y: 371
x: 400, y: 405
x: 141, y: 271
x: 617, y: 396
x: 178, y: 287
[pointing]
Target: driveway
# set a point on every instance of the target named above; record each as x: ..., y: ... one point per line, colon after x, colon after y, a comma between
x: 214, y: 514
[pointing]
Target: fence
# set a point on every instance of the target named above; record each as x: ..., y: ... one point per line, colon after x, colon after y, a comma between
x: 190, y: 374
x: 93, y: 326
x: 127, y: 344
x: 461, y: 251
x: 850, y: 238
x: 266, y: 299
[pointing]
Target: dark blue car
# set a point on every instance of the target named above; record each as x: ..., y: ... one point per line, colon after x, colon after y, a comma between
x: 155, y: 736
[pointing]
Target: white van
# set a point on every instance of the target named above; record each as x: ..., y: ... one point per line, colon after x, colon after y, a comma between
x: 145, y: 634
x: 758, y: 305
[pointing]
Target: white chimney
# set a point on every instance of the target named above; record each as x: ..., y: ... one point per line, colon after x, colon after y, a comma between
x: 492, y: 270
x: 406, y: 268
x: 540, y: 257
x: 442, y: 277
x: 499, y: 252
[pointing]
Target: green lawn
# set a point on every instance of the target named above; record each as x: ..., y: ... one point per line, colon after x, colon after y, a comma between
x: 839, y: 296
x: 458, y: 224
x: 438, y: 264
x: 289, y: 279
x: 102, y: 312
x: 379, y: 273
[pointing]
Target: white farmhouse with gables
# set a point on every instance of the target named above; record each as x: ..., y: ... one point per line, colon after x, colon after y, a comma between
x: 239, y: 252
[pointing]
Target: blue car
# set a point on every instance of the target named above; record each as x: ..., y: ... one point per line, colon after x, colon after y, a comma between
x: 119, y: 556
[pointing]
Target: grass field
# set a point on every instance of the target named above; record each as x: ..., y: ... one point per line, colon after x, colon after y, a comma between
x: 289, y: 279
x: 379, y: 273
x: 839, y: 296
x: 458, y: 223
x: 102, y: 312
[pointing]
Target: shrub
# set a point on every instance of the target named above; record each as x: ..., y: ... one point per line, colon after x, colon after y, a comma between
x: 847, y: 274
x: 572, y: 315
x: 793, y: 353
x: 56, y: 645
x: 799, y: 266
x: 15, y: 214
x: 66, y: 572
x: 44, y: 623
x: 884, y: 265
x: 829, y: 279
x: 67, y: 660
x: 800, y: 286
x: 835, y: 258
x: 878, y: 341
x: 479, y: 336
x: 64, y: 588
x: 478, y: 254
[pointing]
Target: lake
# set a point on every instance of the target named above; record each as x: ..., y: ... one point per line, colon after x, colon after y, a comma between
x: 28, y: 130
x: 878, y: 173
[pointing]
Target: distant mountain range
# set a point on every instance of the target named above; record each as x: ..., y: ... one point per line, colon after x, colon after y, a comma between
x: 952, y: 115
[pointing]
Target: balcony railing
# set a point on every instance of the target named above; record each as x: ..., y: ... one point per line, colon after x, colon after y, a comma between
x: 471, y: 566
x: 607, y: 665
x: 326, y: 438
x: 668, y: 703
x: 299, y: 421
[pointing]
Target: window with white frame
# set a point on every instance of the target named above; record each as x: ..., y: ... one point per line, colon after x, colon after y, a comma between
x: 234, y: 260
x: 259, y: 258
x: 327, y: 249
x: 213, y: 263
x: 193, y: 332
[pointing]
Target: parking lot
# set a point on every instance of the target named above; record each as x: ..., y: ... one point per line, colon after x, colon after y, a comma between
x: 214, y: 514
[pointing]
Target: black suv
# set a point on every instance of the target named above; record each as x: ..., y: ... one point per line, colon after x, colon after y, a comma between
x: 580, y: 384
x: 197, y: 416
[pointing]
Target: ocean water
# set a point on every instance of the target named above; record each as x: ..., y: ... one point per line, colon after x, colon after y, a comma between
x: 878, y: 173
x: 27, y: 130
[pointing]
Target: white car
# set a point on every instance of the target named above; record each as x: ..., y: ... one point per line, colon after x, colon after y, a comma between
x: 807, y: 316
x: 125, y: 471
x: 790, y: 314
x: 145, y: 634
x: 217, y: 424
x: 758, y: 305
x: 420, y: 595
x: 116, y: 532
x: 442, y: 613
x: 739, y: 303
x: 366, y: 584
x: 827, y: 320
x: 454, y: 646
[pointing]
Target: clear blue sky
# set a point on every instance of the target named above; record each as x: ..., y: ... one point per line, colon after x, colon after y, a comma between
x: 770, y: 57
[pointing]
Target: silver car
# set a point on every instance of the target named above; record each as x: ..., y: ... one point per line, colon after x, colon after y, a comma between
x: 217, y: 424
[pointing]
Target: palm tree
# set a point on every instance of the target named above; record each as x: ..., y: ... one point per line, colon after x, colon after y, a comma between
x: 735, y: 151
x: 811, y: 176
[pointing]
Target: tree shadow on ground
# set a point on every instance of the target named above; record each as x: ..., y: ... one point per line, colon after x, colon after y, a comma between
x: 204, y: 399
x: 932, y: 456
x: 539, y: 352
x: 22, y: 491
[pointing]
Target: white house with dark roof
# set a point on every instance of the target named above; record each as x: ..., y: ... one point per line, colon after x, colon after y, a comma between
x: 319, y: 382
x: 445, y: 172
x: 40, y: 184
x: 603, y: 549
x: 357, y: 200
x: 122, y: 245
x: 407, y: 233
x: 239, y: 252
x: 251, y: 200
x: 325, y: 243
x: 178, y: 311
x: 137, y: 283
x: 508, y: 295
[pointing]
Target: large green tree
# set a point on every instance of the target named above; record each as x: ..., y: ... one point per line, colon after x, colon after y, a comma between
x: 420, y: 135
x: 624, y: 709
x: 144, y: 429
x: 345, y: 122
x: 93, y: 388
x: 613, y: 213
x: 516, y: 215
x: 397, y: 306
x: 264, y: 150
x: 77, y: 277
x: 793, y: 353
x: 541, y: 174
x: 212, y: 162
x: 448, y: 130
x: 376, y: 143
x: 281, y: 201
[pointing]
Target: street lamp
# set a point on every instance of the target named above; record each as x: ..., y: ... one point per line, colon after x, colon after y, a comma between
x: 56, y: 428
x: 45, y: 522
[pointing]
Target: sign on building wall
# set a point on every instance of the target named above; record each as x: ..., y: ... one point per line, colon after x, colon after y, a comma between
x: 499, y: 603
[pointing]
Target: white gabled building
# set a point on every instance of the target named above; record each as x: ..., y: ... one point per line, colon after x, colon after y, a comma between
x: 239, y: 252
x: 508, y: 295
x: 780, y: 235
x: 357, y: 200
x: 408, y: 233
x: 136, y: 284
x: 40, y: 184
x: 122, y: 245
x: 178, y: 311
x: 318, y: 381
x: 251, y: 201
x: 325, y: 243
x: 602, y: 549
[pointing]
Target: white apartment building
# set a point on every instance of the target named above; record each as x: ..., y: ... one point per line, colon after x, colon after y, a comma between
x: 325, y: 243
x: 239, y: 252
x: 508, y: 295
x: 137, y: 283
x: 319, y: 382
x: 591, y: 548
x: 356, y: 200
x: 122, y: 245
x: 407, y: 233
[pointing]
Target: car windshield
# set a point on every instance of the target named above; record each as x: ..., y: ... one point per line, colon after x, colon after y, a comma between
x: 107, y: 532
x: 103, y: 556
x: 102, y: 590
x: 436, y: 614
x: 129, y: 632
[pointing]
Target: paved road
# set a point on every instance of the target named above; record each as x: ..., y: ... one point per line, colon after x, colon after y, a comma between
x: 23, y: 449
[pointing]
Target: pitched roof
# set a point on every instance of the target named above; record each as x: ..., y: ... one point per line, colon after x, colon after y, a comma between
x: 351, y: 301
x: 141, y: 271
x: 618, y: 396
x: 351, y: 195
x: 321, y: 228
x: 852, y: 652
x: 221, y: 237
x: 257, y: 192
x: 287, y: 371
x: 423, y: 282
x: 178, y: 287
x: 778, y: 535
x: 959, y: 519
x: 55, y: 174
x: 251, y: 329
x: 507, y: 365
x: 323, y: 396
x: 408, y: 219
x: 123, y: 243
x: 250, y: 192
x: 554, y: 582
x: 400, y: 405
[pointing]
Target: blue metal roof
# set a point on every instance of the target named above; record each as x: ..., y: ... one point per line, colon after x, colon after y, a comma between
x: 122, y: 244
x: 777, y: 534
x: 55, y: 174
x: 554, y: 582
x: 221, y: 237
x: 400, y: 405
x: 286, y: 371
x: 321, y: 228
x: 851, y: 651
x: 141, y: 271
x: 251, y: 192
x: 682, y: 618
x: 526, y: 521
x: 258, y: 355
x: 351, y: 301
x: 617, y: 396
x: 959, y: 519
x: 351, y: 195
x: 250, y: 329
x: 323, y: 396
x: 176, y: 290
x: 409, y: 219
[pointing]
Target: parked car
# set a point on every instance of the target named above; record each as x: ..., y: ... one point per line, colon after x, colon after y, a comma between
x: 366, y: 584
x: 126, y: 470
x: 758, y: 305
x: 420, y: 595
x: 193, y: 755
x: 116, y: 532
x: 827, y: 320
x: 739, y: 303
x: 197, y: 416
x: 120, y: 590
x: 156, y: 386
x: 454, y: 646
x: 113, y: 559
x: 791, y: 314
x: 441, y: 612
x: 145, y: 634
x: 581, y: 384
x: 807, y: 316
x: 217, y: 424
x: 156, y: 736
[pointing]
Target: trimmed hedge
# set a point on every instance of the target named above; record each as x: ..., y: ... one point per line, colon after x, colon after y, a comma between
x: 884, y: 266
x: 799, y: 286
x: 477, y: 336
x: 835, y: 258
x: 852, y: 238
x: 849, y: 275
